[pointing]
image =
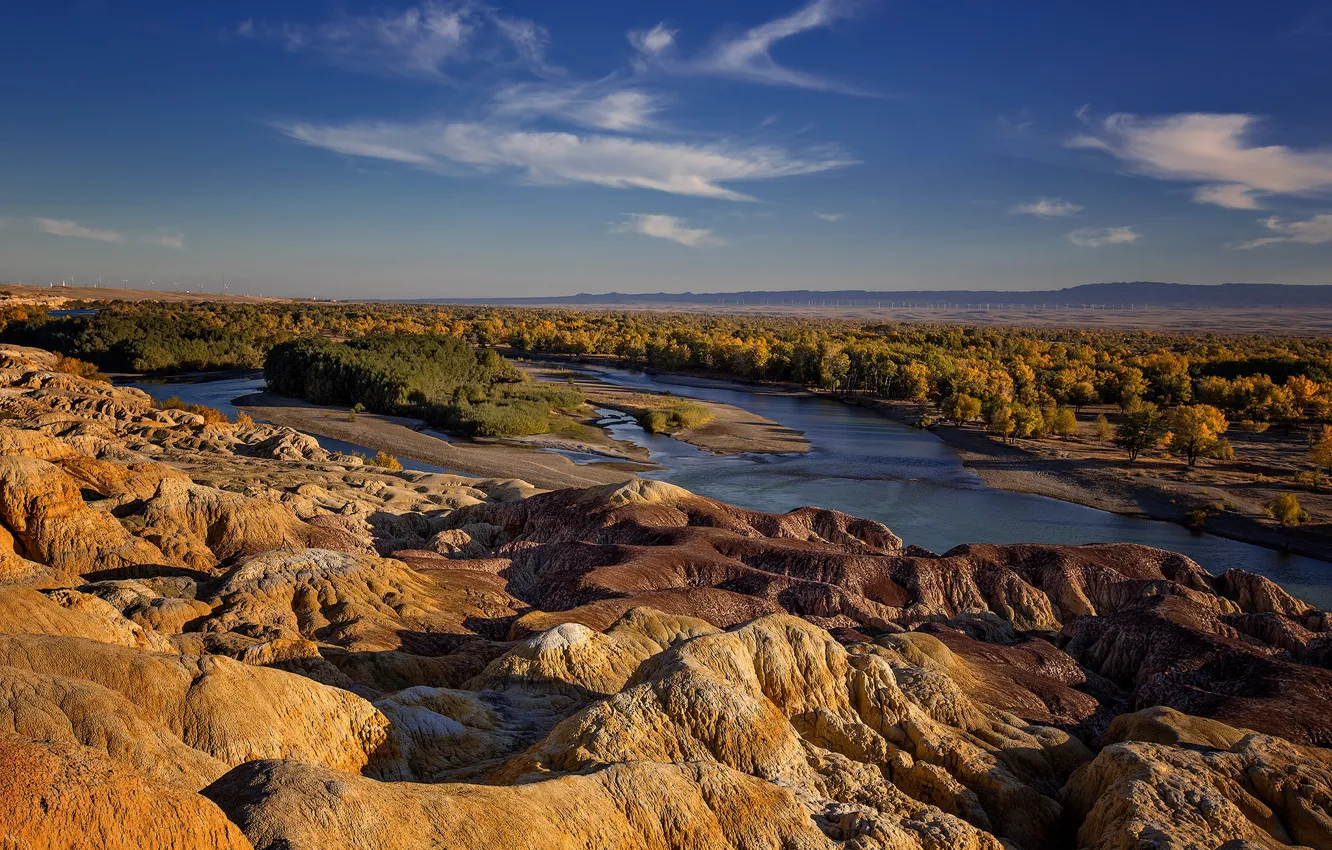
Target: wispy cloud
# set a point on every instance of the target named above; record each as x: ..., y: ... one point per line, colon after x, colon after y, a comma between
x: 667, y: 227
x: 167, y: 239
x: 1096, y: 237
x: 555, y: 158
x: 601, y: 106
x: 419, y: 41
x: 1313, y: 231
x: 61, y: 227
x: 653, y: 42
x: 827, y: 216
x: 1213, y: 150
x: 749, y: 55
x: 1046, y: 208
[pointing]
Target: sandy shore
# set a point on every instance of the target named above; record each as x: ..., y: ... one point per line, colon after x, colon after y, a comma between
x: 732, y: 430
x: 397, y: 436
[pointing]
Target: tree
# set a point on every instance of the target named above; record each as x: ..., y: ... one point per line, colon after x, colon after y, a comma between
x: 1001, y: 422
x: 960, y: 407
x: 1065, y: 423
x: 1195, y: 431
x: 1141, y: 428
x: 1028, y: 421
x: 1321, y: 452
x: 1285, y: 509
x: 1131, y: 386
x: 1104, y: 432
x: 1081, y: 394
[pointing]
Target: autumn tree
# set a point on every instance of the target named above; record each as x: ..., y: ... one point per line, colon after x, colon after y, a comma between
x: 1104, y: 431
x: 1195, y: 431
x: 1320, y: 454
x: 1065, y: 423
x: 1285, y: 508
x: 960, y: 407
x: 1141, y: 428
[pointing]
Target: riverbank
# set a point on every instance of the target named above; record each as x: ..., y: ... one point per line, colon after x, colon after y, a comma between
x: 398, y: 436
x: 1226, y: 499
x: 732, y: 430
x: 1222, y: 499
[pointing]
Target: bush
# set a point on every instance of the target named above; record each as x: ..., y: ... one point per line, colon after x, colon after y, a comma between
x: 75, y: 366
x: 211, y: 415
x: 1285, y: 509
x: 676, y: 417
x: 384, y: 460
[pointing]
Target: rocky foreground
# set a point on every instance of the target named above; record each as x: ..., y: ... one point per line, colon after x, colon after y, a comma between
x: 222, y: 636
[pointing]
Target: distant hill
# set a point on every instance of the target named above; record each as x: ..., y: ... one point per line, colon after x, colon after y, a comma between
x: 1136, y: 293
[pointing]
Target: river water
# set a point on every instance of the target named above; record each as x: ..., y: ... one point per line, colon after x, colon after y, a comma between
x: 869, y: 466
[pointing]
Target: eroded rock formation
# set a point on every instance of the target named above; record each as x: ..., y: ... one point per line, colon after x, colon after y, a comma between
x: 223, y: 636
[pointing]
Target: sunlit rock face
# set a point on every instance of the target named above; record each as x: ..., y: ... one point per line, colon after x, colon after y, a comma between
x: 222, y: 636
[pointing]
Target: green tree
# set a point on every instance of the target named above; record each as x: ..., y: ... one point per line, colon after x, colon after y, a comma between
x: 1195, y: 431
x: 1104, y: 431
x: 1065, y: 423
x: 1141, y: 428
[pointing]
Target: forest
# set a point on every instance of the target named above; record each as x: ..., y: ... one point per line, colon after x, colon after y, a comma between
x: 440, y: 379
x: 1016, y: 379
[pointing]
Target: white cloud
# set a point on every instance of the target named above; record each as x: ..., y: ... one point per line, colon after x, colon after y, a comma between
x: 59, y: 227
x: 667, y: 227
x: 748, y: 56
x: 1313, y: 231
x: 420, y: 41
x: 167, y: 239
x: 1212, y: 150
x: 826, y: 216
x: 653, y: 42
x: 1096, y: 237
x: 1046, y: 208
x: 555, y: 158
x: 599, y: 106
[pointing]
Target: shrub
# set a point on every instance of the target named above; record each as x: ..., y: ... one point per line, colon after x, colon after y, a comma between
x: 680, y: 416
x: 1285, y: 509
x: 384, y: 460
x: 75, y: 366
x: 244, y: 420
x: 1104, y: 431
x: 211, y: 415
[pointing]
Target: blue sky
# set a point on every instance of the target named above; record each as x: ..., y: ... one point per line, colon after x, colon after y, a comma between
x: 459, y: 149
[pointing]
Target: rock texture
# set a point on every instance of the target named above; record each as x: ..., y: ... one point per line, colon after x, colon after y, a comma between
x: 222, y: 636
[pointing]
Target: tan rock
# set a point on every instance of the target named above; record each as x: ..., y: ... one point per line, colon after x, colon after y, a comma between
x: 67, y: 797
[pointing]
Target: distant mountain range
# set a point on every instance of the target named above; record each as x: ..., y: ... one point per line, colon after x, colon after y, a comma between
x: 1137, y: 293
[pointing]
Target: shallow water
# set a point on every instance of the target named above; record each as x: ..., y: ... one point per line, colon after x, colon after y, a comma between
x: 870, y: 466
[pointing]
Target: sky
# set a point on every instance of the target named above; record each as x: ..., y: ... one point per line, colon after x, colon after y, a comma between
x: 459, y: 149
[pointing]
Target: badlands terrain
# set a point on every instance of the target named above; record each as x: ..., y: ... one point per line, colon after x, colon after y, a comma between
x: 223, y: 636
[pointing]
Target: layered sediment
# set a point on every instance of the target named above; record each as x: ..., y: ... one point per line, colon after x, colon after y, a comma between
x: 223, y: 636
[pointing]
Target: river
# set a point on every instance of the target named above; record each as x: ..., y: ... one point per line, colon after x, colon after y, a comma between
x: 870, y: 466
